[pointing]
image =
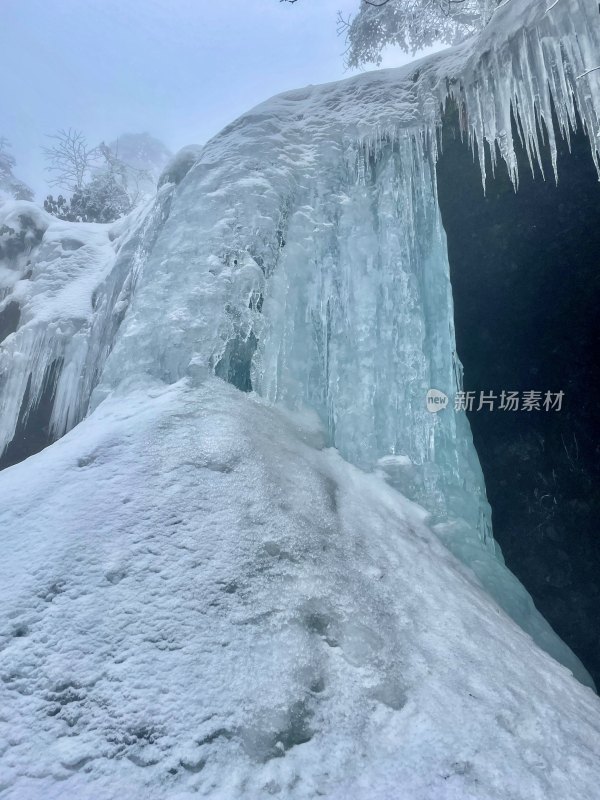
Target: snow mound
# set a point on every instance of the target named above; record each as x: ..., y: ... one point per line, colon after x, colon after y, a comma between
x: 180, y: 164
x: 198, y: 599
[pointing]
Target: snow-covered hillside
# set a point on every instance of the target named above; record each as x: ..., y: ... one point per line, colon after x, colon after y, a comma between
x: 220, y: 586
x: 201, y: 601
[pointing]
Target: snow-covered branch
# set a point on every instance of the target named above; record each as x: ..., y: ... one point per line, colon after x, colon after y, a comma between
x: 69, y: 158
x: 411, y: 25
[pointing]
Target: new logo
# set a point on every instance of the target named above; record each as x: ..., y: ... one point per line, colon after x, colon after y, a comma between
x: 436, y: 400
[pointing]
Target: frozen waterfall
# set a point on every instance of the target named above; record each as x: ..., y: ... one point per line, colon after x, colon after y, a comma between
x: 302, y: 256
x: 214, y: 592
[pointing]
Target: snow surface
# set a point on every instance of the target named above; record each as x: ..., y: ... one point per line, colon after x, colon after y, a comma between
x: 200, y: 600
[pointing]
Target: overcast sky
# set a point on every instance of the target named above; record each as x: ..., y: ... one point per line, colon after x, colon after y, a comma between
x: 179, y: 69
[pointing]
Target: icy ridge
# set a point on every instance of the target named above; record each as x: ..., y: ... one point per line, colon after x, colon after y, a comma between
x: 68, y: 287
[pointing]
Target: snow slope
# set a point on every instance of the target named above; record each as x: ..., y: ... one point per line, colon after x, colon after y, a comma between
x: 200, y: 600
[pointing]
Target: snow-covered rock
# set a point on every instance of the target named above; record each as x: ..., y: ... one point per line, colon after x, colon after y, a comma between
x: 181, y: 163
x: 64, y: 290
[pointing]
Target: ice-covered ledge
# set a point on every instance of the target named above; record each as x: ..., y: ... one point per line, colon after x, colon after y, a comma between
x: 197, y: 595
x: 532, y: 55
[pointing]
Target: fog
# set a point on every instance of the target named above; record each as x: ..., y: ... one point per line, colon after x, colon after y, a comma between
x: 180, y: 70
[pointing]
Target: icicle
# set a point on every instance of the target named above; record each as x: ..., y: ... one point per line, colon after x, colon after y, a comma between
x: 542, y: 65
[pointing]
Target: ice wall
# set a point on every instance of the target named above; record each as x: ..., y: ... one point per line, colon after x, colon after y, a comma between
x: 304, y: 258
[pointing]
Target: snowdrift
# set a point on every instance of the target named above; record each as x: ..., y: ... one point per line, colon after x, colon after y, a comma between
x: 201, y: 600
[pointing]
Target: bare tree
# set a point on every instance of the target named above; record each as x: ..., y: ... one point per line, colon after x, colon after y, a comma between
x: 69, y: 159
x: 130, y: 178
x: 103, y: 186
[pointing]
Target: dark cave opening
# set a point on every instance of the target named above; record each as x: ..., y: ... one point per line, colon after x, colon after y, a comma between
x: 235, y: 364
x: 33, y: 429
x: 525, y: 272
x: 9, y: 319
